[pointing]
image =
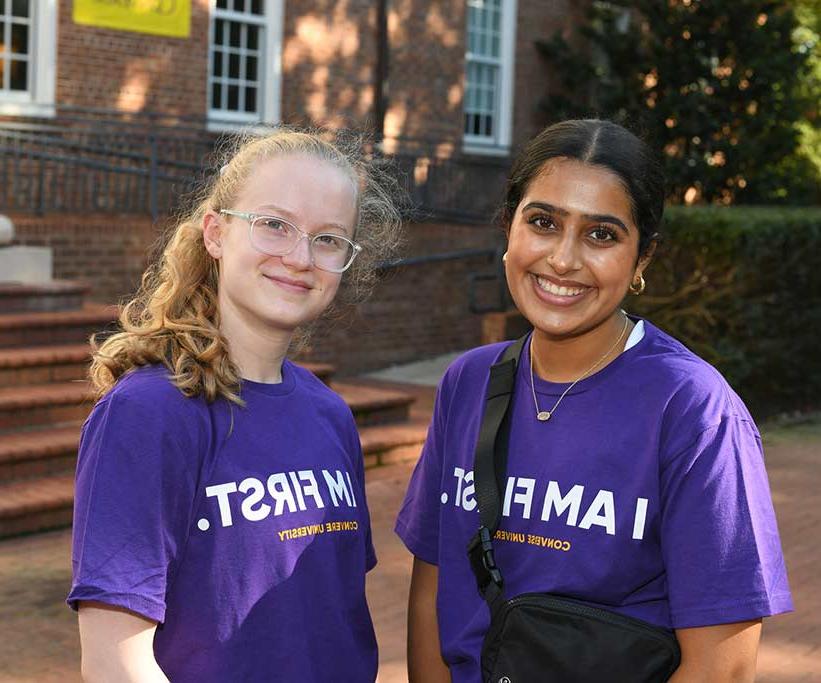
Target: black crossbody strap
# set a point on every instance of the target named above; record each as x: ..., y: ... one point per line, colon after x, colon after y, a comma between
x: 489, y: 467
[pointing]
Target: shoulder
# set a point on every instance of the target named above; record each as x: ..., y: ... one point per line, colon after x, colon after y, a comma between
x: 692, y: 393
x: 147, y: 397
x: 315, y: 390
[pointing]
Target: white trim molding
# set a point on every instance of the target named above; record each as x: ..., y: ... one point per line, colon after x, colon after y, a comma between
x: 498, y: 142
x: 39, y: 99
x: 269, y: 70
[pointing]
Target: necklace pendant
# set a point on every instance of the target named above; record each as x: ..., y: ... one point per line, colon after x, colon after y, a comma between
x: 543, y: 415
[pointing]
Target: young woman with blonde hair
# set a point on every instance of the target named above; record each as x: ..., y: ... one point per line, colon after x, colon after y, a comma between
x: 221, y: 531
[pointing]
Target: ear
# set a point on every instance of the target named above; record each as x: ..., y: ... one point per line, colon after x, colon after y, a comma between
x: 644, y: 259
x: 212, y: 229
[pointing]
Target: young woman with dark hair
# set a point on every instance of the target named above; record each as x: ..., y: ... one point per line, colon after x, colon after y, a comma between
x: 635, y: 479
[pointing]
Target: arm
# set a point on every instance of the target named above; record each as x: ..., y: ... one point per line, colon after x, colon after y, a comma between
x: 719, y: 654
x: 117, y: 646
x: 425, y: 664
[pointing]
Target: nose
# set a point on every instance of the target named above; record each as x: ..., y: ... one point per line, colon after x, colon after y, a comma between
x: 299, y: 258
x: 564, y: 255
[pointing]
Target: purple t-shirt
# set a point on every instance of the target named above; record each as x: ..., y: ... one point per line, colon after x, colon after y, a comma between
x: 243, y: 531
x: 644, y: 494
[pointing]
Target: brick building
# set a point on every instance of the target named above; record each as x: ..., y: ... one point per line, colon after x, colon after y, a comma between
x: 100, y: 124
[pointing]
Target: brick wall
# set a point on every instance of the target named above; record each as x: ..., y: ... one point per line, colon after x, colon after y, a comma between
x: 533, y: 81
x: 426, y: 73
x: 329, y: 62
x: 132, y: 72
x: 108, y: 251
x: 416, y: 311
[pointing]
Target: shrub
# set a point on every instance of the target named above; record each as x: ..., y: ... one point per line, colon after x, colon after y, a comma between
x: 741, y: 286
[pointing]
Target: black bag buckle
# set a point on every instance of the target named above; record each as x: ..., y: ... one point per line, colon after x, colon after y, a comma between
x: 483, y: 561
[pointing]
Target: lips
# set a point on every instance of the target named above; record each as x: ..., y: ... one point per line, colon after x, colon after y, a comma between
x: 289, y: 284
x: 561, y: 290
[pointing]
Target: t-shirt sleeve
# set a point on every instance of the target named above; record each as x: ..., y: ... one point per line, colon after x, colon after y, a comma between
x: 136, y: 482
x: 418, y: 521
x: 719, y: 536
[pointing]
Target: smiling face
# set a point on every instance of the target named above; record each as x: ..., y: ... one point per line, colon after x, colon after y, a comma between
x: 572, y: 248
x: 281, y: 292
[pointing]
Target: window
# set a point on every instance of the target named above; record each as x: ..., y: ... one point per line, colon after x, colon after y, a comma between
x: 244, y: 64
x: 489, y: 74
x: 27, y: 57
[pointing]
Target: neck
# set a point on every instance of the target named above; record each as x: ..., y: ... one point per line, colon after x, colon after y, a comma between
x: 257, y: 351
x: 566, y: 359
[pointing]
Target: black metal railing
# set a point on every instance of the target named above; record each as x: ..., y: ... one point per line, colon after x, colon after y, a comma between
x: 87, y: 162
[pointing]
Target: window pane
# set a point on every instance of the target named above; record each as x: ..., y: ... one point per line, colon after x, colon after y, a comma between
x: 233, y: 97
x: 250, y: 99
x: 256, y: 7
x: 251, y: 69
x: 253, y: 38
x: 20, y: 39
x: 233, y: 66
x: 216, y: 96
x: 217, y: 63
x: 239, y: 5
x: 20, y: 8
x: 234, y: 40
x: 219, y: 32
x: 19, y: 75
x: 2, y: 6
x: 222, y: 4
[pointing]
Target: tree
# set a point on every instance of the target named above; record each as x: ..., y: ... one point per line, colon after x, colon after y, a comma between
x: 719, y: 85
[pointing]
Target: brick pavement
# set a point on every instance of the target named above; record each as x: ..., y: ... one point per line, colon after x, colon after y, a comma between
x: 38, y: 639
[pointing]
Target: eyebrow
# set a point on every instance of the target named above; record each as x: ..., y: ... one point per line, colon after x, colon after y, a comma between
x: 598, y: 217
x: 279, y: 211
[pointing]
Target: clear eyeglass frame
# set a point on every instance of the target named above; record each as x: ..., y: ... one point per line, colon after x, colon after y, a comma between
x: 253, y: 218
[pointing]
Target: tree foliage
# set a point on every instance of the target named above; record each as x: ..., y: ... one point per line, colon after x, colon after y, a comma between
x: 723, y: 87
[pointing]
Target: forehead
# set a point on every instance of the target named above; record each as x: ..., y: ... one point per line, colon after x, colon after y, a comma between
x: 303, y: 189
x: 580, y: 188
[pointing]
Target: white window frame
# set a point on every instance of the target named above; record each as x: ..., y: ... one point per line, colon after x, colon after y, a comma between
x: 269, y: 73
x: 39, y: 99
x: 499, y: 143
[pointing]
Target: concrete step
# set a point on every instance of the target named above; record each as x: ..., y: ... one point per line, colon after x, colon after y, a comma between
x: 371, y: 406
x: 57, y: 295
x: 41, y: 452
x: 34, y: 505
x: 61, y: 327
x: 41, y: 364
x: 43, y: 405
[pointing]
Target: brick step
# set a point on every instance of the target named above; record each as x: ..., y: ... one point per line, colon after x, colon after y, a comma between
x: 393, y: 443
x: 36, y: 453
x: 57, y: 295
x: 41, y: 364
x: 371, y: 406
x: 65, y: 362
x: 36, y: 505
x: 43, y: 405
x: 61, y: 327
x: 45, y: 502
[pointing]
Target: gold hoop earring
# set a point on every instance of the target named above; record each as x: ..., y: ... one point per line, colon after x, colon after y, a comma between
x: 504, y: 257
x: 637, y: 287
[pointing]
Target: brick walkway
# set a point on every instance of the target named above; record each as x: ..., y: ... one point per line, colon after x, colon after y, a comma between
x: 39, y: 644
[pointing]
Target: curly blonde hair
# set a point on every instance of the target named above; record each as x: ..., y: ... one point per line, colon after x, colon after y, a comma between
x: 174, y: 318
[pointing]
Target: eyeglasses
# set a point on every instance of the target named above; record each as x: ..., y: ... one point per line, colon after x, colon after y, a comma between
x: 277, y: 237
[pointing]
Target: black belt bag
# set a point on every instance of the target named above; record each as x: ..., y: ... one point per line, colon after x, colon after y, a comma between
x: 540, y: 637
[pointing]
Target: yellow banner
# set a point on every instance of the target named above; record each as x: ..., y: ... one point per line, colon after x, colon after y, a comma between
x: 157, y: 17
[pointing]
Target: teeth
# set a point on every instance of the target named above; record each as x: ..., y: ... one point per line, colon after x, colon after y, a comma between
x: 549, y: 287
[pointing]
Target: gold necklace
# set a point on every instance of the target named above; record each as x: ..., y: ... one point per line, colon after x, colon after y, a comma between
x: 545, y: 415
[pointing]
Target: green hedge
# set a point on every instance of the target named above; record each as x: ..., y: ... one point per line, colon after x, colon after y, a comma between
x: 741, y: 286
